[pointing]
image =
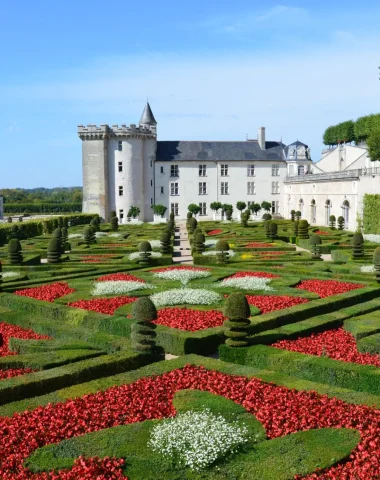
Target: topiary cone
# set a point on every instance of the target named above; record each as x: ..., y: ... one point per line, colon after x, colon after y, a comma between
x: 315, y: 242
x: 14, y: 251
x: 303, y: 229
x: 143, y: 330
x: 357, y: 246
x: 236, y: 327
x: 222, y: 249
x: 145, y: 249
x: 54, y: 250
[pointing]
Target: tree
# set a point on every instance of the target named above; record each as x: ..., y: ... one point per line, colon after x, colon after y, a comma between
x: 142, y: 331
x: 159, y: 210
x: 373, y: 143
x: 266, y: 206
x: 237, y: 311
x: 134, y: 212
x: 215, y: 206
x: 255, y: 208
x: 194, y: 208
x: 241, y: 206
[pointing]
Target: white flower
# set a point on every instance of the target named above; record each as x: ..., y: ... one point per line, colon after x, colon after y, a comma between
x: 155, y: 243
x: 231, y: 253
x: 118, y: 287
x: 210, y: 243
x: 184, y: 276
x: 197, y: 439
x: 247, y: 283
x: 185, y: 296
x: 10, y: 274
x: 75, y: 235
x: 371, y: 237
x: 136, y: 255
x: 367, y: 268
x: 117, y: 235
x: 100, y: 234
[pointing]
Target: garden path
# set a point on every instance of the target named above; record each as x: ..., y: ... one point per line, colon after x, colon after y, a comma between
x: 326, y: 257
x: 182, y: 249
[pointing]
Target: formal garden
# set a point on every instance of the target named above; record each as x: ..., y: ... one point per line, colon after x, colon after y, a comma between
x: 258, y: 360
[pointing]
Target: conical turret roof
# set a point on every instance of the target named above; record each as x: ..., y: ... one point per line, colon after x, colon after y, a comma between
x: 147, y: 117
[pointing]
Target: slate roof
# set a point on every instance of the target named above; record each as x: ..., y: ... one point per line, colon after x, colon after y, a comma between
x: 147, y: 117
x: 181, y: 151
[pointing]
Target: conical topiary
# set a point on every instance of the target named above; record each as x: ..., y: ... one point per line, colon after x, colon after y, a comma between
x: 15, y: 251
x: 54, y: 250
x: 236, y: 327
x: 295, y: 228
x: 65, y: 239
x: 376, y: 262
x: 292, y: 215
x: 200, y: 243
x: 273, y: 228
x: 315, y: 242
x: 145, y: 249
x: 357, y: 246
x: 95, y: 224
x: 114, y: 223
x: 143, y: 330
x: 15, y: 231
x: 267, y: 227
x: 340, y: 223
x: 244, y: 220
x: 303, y: 229
x: 58, y: 234
x: 332, y: 222
x: 165, y: 242
x: 192, y: 224
x: 172, y: 216
x: 88, y: 235
x: 222, y: 249
x: 170, y: 226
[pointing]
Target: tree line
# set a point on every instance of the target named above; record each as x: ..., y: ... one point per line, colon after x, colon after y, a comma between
x: 352, y: 131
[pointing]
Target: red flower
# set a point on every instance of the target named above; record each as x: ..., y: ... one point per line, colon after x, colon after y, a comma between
x: 188, y: 319
x: 14, y: 372
x: 7, y: 331
x: 326, y: 288
x: 103, y: 305
x: 270, y: 303
x: 214, y: 232
x: 259, y: 245
x: 126, y: 277
x: 320, y: 232
x: 254, y: 274
x: 48, y: 293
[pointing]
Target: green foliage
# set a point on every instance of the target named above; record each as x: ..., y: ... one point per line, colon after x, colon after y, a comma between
x: 303, y: 229
x: 15, y: 232
x: 194, y: 208
x: 113, y: 213
x: 267, y: 216
x: 376, y: 262
x: 340, y: 222
x: 357, y: 246
x: 244, y: 220
x: 192, y: 224
x: 292, y: 215
x: 95, y: 224
x: 143, y: 330
x: 133, y: 212
x: 255, y: 208
x: 89, y: 235
x: 215, y: 206
x: 160, y: 210
x: 315, y: 242
x: 200, y: 243
x: 272, y: 230
x: 114, y: 224
x: 14, y: 251
x: 236, y: 327
x: 172, y: 217
x: 54, y: 250
x: 241, y: 206
x: 266, y: 206
x: 222, y: 246
x: 145, y: 249
x: 349, y: 131
x: 228, y: 210
x: 332, y: 220
x: 298, y: 215
x: 373, y: 143
x: 165, y: 242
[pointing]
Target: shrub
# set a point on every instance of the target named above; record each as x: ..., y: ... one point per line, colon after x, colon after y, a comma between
x: 315, y: 242
x: 228, y: 209
x: 10, y: 220
x: 192, y: 224
x: 54, y: 250
x: 237, y: 311
x: 215, y: 206
x: 200, y: 243
x: 114, y: 223
x: 133, y: 212
x: 171, y: 216
x: 298, y: 215
x: 357, y: 246
x: 15, y: 232
x: 341, y: 223
x: 113, y: 213
x: 89, y: 235
x: 244, y: 220
x: 60, y: 222
x: 165, y: 242
x: 145, y: 249
x: 376, y: 262
x: 222, y: 249
x: 295, y: 227
x: 58, y: 235
x: 267, y: 226
x: 143, y: 330
x: 170, y: 226
x: 332, y: 222
x: 65, y: 222
x: 95, y: 224
x: 267, y: 216
x: 273, y: 228
x: 194, y: 208
x: 303, y: 229
x: 1, y: 275
x: 241, y: 206
x: 292, y: 215
x: 248, y: 213
x: 14, y: 251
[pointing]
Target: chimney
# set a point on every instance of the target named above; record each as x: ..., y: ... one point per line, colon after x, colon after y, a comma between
x: 261, y: 137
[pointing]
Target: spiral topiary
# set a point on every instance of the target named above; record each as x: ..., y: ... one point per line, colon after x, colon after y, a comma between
x: 266, y: 227
x: 95, y: 224
x: 143, y: 330
x: 199, y: 243
x: 295, y: 228
x: 273, y: 229
x: 15, y: 231
x: 172, y: 216
x: 192, y: 224
x: 376, y: 262
x: 65, y: 239
x: 244, y: 220
x: 292, y: 215
x: 303, y: 229
x: 332, y: 220
x: 114, y: 223
x: 54, y: 250
x: 87, y: 235
x: 298, y: 215
x: 165, y: 242
x: 58, y: 234
x: 357, y: 246
x: 315, y: 242
x: 236, y: 327
x: 15, y: 251
x: 341, y: 223
x: 145, y: 249
x: 222, y: 249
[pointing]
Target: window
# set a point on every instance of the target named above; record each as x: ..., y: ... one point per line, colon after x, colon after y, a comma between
x: 250, y: 170
x: 174, y: 188
x: 275, y: 170
x: 174, y: 170
x: 151, y: 183
x: 151, y: 201
x: 151, y: 164
x: 301, y: 170
x: 328, y: 211
x: 121, y: 215
x: 203, y: 208
x: 120, y: 146
x: 224, y: 188
x: 120, y: 166
x: 202, y: 170
x: 249, y: 203
x: 275, y: 187
x: 275, y: 206
x: 162, y: 169
x: 202, y: 188
x: 121, y: 191
x: 251, y: 189
x: 346, y: 212
x: 224, y: 170
x: 162, y: 189
x: 174, y: 209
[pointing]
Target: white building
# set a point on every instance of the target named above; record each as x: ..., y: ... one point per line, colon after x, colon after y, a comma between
x: 127, y: 166
x: 336, y: 186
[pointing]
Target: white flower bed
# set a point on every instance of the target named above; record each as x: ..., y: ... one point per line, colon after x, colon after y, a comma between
x: 10, y: 274
x: 155, y: 243
x: 118, y: 287
x: 367, y: 268
x: 100, y: 234
x: 210, y: 243
x: 75, y: 235
x: 197, y: 439
x: 371, y: 237
x: 116, y: 235
x: 184, y: 276
x: 247, y: 283
x: 185, y: 296
x: 136, y: 255
x: 231, y: 253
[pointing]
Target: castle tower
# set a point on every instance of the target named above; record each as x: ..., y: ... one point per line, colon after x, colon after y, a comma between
x: 118, y: 168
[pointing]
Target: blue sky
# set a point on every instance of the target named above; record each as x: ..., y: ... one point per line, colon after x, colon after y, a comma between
x: 212, y: 70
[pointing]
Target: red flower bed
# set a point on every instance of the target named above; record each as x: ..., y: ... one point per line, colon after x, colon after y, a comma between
x: 103, y: 255
x: 254, y: 274
x: 189, y: 320
x: 7, y: 331
x: 281, y: 411
x: 320, y: 232
x: 103, y: 305
x: 271, y: 253
x: 337, y: 344
x: 14, y: 372
x: 114, y: 277
x: 181, y: 267
x: 259, y: 245
x: 115, y: 245
x: 326, y: 288
x: 214, y: 232
x: 48, y: 293
x: 270, y: 303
